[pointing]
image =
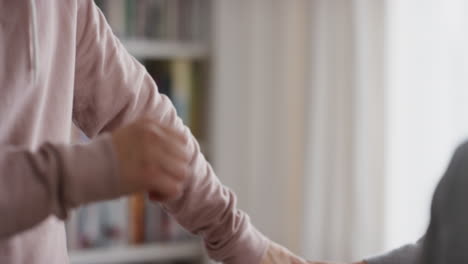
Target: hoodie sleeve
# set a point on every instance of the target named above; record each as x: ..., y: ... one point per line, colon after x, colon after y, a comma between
x: 51, y: 180
x: 113, y: 89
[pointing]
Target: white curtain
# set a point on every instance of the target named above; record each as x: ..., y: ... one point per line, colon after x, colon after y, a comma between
x: 298, y: 116
x: 346, y: 123
x: 334, y: 119
x: 258, y: 110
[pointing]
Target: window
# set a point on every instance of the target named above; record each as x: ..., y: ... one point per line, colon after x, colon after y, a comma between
x: 427, y: 56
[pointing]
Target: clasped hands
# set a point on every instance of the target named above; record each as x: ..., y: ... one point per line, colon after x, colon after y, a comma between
x: 152, y: 157
x: 277, y: 254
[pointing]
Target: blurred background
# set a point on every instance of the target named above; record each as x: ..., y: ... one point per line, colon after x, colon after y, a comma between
x: 332, y: 120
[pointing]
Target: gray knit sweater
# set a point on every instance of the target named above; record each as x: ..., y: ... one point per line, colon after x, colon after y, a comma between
x: 446, y: 240
x: 405, y: 255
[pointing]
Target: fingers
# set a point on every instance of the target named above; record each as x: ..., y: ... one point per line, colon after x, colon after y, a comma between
x: 172, y: 166
x: 314, y: 262
x: 165, y: 188
x: 297, y: 260
x: 160, y: 160
x: 154, y: 158
x: 277, y: 254
x: 155, y: 196
x: 175, y: 133
x: 174, y: 142
x: 177, y: 151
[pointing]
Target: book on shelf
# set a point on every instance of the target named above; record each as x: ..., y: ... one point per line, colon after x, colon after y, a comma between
x: 122, y: 222
x: 136, y: 219
x: 182, y: 81
x: 182, y: 87
x: 175, y: 20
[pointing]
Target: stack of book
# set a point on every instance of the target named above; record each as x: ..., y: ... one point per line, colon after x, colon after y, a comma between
x: 157, y: 19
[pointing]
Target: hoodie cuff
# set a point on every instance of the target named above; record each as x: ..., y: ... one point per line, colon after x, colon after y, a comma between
x: 91, y: 172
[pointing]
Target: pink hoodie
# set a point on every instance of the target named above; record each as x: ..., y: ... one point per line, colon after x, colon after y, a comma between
x: 60, y: 63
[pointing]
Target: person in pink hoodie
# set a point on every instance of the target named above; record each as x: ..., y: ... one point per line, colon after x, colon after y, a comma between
x: 60, y: 65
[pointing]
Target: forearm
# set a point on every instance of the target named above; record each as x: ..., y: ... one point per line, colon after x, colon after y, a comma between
x: 209, y: 209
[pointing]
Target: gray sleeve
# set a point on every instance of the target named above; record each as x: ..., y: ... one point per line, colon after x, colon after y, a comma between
x: 447, y: 234
x: 404, y: 255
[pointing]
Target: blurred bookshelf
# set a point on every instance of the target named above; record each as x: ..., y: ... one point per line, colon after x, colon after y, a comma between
x: 157, y: 49
x: 171, y: 38
x: 149, y: 253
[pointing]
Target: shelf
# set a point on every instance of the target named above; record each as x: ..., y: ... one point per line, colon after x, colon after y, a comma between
x: 144, y: 253
x: 157, y: 49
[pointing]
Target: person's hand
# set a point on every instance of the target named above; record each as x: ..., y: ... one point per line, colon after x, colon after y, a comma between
x: 152, y: 158
x: 277, y: 254
x: 312, y: 262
